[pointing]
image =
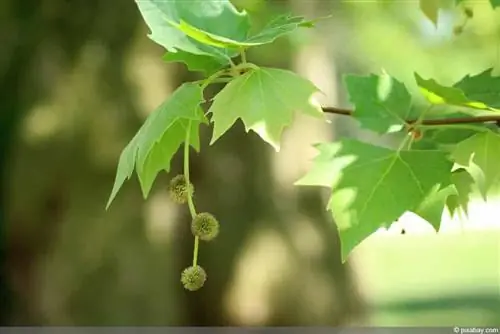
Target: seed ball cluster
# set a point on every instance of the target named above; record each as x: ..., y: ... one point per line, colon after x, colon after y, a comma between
x: 178, y: 189
x: 205, y: 226
x: 193, y: 278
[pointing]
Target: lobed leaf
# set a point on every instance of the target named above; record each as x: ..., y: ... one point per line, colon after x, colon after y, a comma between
x: 463, y: 183
x: 159, y: 138
x: 219, y: 17
x: 479, y: 155
x: 439, y: 94
x: 196, y: 63
x: 265, y: 99
x: 279, y: 26
x: 382, y: 103
x: 432, y: 207
x: 373, y: 186
x: 482, y: 87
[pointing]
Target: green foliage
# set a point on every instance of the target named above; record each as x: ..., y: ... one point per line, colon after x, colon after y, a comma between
x: 479, y: 156
x: 366, y: 184
x: 430, y: 8
x: 382, y: 104
x: 257, y: 99
x: 279, y: 26
x: 481, y: 87
x: 436, y: 167
x: 196, y: 63
x: 220, y: 17
x: 463, y: 183
x: 152, y: 148
x: 439, y: 94
x: 494, y: 3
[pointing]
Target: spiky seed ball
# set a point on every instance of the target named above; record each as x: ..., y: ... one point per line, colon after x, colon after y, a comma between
x: 178, y: 189
x: 193, y: 278
x: 205, y: 226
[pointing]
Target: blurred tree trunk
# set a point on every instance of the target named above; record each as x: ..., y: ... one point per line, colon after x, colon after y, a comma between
x: 43, y: 39
x: 16, y: 96
x: 314, y: 60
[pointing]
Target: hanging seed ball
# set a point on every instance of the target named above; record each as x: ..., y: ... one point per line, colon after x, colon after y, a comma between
x: 468, y: 12
x: 457, y: 30
x: 205, y: 226
x: 178, y: 189
x: 193, y: 278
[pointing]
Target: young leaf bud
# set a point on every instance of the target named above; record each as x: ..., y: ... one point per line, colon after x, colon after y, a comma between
x: 178, y: 189
x: 205, y: 226
x: 193, y: 278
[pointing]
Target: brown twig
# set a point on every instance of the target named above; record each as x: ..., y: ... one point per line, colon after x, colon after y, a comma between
x: 442, y: 121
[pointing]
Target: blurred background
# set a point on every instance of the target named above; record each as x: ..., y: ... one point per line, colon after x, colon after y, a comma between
x: 78, y: 79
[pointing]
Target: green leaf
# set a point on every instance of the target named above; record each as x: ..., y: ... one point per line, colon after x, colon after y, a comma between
x: 219, y: 17
x: 446, y: 137
x: 373, y: 186
x: 382, y: 103
x: 463, y: 183
x: 275, y: 28
x: 480, y: 156
x: 433, y: 206
x: 126, y: 165
x: 159, y: 138
x: 495, y: 3
x: 265, y: 99
x: 482, y: 87
x: 431, y: 9
x: 439, y: 94
x: 196, y: 63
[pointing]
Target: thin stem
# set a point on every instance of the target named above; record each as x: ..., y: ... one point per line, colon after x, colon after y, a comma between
x: 186, y: 172
x: 205, y: 82
x: 213, y: 78
x: 243, y: 56
x: 442, y: 121
x: 195, y: 251
x: 457, y: 126
x: 192, y: 209
x: 233, y: 65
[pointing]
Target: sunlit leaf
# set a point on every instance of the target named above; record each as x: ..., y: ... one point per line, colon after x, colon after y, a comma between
x: 482, y: 87
x: 218, y: 17
x: 463, y: 183
x: 382, y: 103
x: 439, y: 94
x: 480, y: 156
x: 266, y: 100
x: 432, y: 207
x: 373, y: 186
x: 279, y: 26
